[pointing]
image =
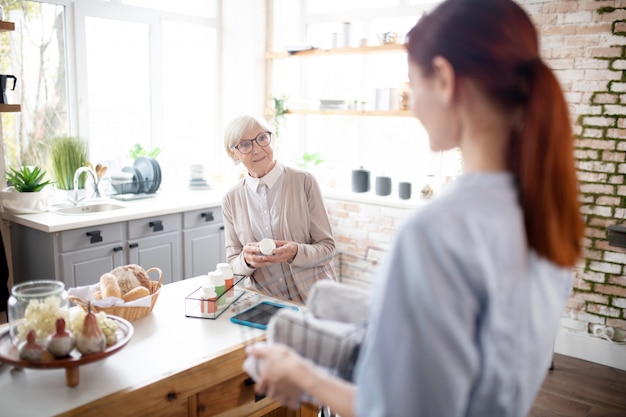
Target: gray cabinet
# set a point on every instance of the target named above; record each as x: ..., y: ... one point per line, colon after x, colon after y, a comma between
x: 87, y: 253
x: 203, y: 241
x: 76, y: 257
x: 155, y: 242
x: 182, y: 245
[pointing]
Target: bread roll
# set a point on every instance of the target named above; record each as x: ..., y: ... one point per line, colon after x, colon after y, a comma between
x: 130, y: 277
x: 109, y: 286
x: 136, y: 293
x: 96, y: 295
x: 141, y: 275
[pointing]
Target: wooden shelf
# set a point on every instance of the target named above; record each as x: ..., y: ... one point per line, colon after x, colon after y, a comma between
x: 387, y: 113
x: 393, y: 47
x: 6, y: 26
x: 10, y: 108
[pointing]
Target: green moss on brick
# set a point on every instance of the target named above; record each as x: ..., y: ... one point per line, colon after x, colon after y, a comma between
x: 606, y: 9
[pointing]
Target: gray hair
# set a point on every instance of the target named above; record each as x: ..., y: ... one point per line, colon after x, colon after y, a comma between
x: 237, y: 127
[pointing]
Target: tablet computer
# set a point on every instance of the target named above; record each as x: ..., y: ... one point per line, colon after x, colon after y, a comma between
x: 259, y: 315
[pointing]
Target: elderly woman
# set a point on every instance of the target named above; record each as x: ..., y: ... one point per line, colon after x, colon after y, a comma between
x: 274, y: 202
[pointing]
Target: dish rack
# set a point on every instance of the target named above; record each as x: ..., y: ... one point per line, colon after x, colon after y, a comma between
x: 128, y: 190
x: 200, y: 308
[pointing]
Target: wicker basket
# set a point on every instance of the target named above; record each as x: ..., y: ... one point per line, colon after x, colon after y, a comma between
x: 128, y: 313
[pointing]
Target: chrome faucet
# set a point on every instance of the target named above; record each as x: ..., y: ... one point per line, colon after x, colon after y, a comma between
x: 94, y: 178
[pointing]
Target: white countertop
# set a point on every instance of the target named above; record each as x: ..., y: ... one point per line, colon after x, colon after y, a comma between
x: 163, y: 202
x: 164, y: 342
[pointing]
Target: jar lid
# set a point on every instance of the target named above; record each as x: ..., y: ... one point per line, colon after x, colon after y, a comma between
x: 208, y: 291
x: 216, y: 278
x: 267, y: 246
x: 225, y: 269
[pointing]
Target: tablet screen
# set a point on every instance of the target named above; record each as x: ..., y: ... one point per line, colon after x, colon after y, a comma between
x: 259, y: 315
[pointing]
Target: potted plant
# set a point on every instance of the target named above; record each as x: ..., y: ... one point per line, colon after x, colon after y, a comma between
x: 277, y: 116
x: 27, y: 191
x: 309, y: 158
x: 68, y: 154
x: 137, y: 150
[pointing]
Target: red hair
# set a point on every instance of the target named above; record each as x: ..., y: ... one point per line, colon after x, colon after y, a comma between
x: 494, y: 43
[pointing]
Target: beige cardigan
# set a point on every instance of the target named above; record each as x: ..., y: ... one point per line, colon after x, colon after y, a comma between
x: 303, y: 219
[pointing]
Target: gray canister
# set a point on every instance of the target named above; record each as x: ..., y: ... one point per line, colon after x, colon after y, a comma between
x: 404, y: 190
x: 360, y: 180
x: 383, y: 185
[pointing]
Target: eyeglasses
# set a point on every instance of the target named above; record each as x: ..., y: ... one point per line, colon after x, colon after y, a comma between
x: 262, y: 139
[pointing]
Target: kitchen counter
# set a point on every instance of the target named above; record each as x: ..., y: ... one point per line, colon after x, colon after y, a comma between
x: 169, y: 359
x: 162, y: 203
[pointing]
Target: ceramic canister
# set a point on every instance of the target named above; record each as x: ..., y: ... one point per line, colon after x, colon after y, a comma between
x: 404, y: 190
x: 360, y: 180
x: 383, y: 185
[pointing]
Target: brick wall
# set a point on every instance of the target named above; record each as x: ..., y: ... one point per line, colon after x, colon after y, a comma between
x: 585, y: 43
x: 363, y: 233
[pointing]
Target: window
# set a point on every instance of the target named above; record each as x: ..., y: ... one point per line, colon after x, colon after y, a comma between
x: 35, y: 53
x: 135, y: 72
x: 390, y: 146
x: 148, y: 75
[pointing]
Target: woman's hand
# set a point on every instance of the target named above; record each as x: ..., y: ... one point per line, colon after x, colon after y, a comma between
x: 279, y: 373
x: 285, y: 252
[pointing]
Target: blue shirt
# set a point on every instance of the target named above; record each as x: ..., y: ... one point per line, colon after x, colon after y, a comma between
x: 463, y: 315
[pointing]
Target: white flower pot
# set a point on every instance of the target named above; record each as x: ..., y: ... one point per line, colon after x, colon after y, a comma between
x: 14, y: 201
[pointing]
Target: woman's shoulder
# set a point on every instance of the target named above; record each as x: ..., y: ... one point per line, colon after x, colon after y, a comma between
x: 289, y: 170
x: 235, y: 190
x: 299, y: 175
x: 471, y: 197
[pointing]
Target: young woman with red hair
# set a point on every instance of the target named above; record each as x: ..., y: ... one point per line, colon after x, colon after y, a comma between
x: 466, y: 306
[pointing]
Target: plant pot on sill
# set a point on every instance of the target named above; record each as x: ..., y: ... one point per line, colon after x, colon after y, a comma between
x: 17, y: 202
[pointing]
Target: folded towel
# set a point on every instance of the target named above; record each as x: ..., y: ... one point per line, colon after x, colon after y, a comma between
x: 334, y: 301
x: 328, y: 332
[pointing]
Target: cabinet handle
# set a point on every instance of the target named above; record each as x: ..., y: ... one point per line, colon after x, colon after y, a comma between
x: 208, y: 216
x: 221, y: 227
x: 94, y: 237
x: 117, y: 249
x: 156, y: 225
x: 248, y: 382
x: 133, y: 245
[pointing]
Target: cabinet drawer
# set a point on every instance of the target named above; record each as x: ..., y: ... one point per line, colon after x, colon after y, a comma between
x: 153, y: 225
x: 91, y: 236
x: 203, y: 217
x: 232, y: 397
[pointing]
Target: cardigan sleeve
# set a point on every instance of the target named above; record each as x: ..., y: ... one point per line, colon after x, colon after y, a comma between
x: 234, y: 247
x: 319, y: 246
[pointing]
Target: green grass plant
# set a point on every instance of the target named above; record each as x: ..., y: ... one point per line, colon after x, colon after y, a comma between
x: 68, y: 154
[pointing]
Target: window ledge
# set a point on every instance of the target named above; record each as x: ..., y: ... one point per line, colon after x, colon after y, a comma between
x: 373, y: 199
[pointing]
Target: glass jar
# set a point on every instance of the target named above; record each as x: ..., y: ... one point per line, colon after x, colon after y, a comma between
x: 37, y: 305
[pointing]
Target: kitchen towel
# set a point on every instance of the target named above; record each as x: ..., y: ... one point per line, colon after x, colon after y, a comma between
x: 329, y: 332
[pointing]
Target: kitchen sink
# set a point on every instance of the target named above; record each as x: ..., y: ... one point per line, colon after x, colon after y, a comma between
x: 89, y: 208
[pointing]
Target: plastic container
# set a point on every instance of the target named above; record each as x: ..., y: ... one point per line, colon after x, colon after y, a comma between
x: 217, y: 279
x: 229, y: 278
x: 208, y: 298
x: 267, y: 246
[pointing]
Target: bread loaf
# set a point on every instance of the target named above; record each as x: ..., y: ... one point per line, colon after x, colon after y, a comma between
x: 109, y: 286
x: 136, y: 293
x: 130, y: 277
